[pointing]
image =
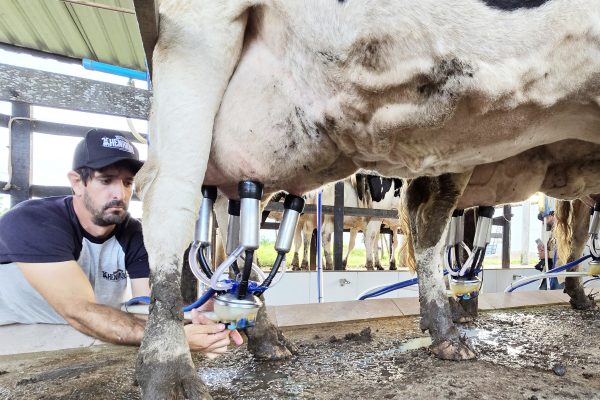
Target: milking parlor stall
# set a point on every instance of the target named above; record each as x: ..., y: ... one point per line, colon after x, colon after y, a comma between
x: 321, y: 316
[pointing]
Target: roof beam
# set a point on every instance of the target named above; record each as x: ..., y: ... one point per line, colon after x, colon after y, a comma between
x: 63, y: 91
x: 146, y: 12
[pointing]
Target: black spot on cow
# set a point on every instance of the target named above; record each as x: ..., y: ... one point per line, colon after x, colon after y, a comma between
x: 436, y: 82
x: 512, y: 5
x: 372, y: 53
x: 397, y: 186
x: 376, y: 187
x: 328, y: 57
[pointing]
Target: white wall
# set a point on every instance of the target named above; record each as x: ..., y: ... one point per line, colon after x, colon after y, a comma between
x: 301, y: 287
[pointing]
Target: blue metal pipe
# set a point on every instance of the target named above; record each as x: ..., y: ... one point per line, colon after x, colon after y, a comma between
x: 555, y: 270
x: 114, y: 69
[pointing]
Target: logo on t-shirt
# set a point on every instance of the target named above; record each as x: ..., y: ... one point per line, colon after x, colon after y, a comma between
x: 118, y: 142
x: 114, y: 276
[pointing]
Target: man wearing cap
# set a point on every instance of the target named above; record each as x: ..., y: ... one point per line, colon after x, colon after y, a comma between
x: 66, y: 259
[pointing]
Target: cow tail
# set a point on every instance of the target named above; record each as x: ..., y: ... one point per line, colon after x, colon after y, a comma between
x: 407, y: 250
x: 562, y: 231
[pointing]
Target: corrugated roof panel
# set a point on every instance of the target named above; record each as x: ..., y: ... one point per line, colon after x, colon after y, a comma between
x: 75, y: 30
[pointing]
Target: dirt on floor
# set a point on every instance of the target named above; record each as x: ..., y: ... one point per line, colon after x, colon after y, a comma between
x: 538, y: 353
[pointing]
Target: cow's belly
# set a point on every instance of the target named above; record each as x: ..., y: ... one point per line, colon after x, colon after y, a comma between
x: 297, y: 118
x: 565, y: 170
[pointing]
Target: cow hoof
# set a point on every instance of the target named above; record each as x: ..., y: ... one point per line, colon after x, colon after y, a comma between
x: 295, y: 268
x: 393, y: 267
x: 378, y: 267
x: 272, y: 350
x: 587, y: 303
x: 454, y: 351
x: 304, y: 266
x: 170, y: 380
x: 266, y: 341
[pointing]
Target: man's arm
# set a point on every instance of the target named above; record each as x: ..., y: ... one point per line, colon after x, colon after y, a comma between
x: 65, y: 287
x: 140, y: 287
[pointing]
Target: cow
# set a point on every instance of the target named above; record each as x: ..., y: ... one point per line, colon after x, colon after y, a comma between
x: 295, y: 94
x: 360, y: 191
x: 380, y: 193
x: 565, y: 169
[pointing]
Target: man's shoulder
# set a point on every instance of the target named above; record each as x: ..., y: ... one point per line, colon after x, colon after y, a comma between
x: 130, y: 225
x: 38, y: 211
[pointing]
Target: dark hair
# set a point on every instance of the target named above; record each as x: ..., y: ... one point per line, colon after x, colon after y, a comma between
x: 541, y: 215
x: 87, y: 173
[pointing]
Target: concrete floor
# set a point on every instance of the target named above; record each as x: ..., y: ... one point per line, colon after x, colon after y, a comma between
x: 18, y: 339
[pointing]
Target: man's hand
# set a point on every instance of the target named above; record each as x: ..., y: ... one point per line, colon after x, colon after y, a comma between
x: 209, y: 337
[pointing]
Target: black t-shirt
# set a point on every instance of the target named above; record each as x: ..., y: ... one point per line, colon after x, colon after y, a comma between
x: 47, y: 230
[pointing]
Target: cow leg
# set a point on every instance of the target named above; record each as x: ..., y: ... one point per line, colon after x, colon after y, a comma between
x: 370, y: 244
x: 377, y: 254
x: 266, y: 341
x: 571, y: 233
x: 393, y: 247
x: 307, y: 237
x: 295, y: 264
x: 170, y: 180
x: 429, y: 202
x: 351, y: 244
x: 326, y: 234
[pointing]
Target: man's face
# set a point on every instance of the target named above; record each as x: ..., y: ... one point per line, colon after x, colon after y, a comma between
x: 106, y: 195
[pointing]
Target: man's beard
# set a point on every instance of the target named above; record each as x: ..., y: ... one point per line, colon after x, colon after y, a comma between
x: 101, y: 217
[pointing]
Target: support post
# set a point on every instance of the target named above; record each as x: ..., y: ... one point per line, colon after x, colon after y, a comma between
x: 525, y: 234
x: 312, y: 263
x: 20, y: 153
x: 506, y: 237
x: 338, y: 227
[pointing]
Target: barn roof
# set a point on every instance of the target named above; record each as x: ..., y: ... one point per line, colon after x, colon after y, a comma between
x: 101, y: 30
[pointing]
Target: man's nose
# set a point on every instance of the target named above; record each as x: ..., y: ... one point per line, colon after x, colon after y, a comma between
x: 119, y: 190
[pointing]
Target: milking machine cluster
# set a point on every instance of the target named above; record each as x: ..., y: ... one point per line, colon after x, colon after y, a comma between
x: 594, y: 232
x: 464, y: 283
x: 593, y: 268
x: 237, y: 301
x: 237, y: 297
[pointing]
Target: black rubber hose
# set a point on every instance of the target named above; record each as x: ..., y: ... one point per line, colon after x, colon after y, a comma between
x: 276, y: 265
x: 243, y: 288
x: 204, y: 262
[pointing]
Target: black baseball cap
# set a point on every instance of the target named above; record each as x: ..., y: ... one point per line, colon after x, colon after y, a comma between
x: 101, y: 148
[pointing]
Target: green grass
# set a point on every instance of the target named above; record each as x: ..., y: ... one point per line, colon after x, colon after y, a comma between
x: 266, y: 256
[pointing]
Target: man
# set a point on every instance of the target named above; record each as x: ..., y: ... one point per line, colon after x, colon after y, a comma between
x: 67, y: 259
x: 548, y: 219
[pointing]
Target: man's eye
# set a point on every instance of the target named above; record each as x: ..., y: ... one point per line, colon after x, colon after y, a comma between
x: 128, y: 184
x: 105, y: 181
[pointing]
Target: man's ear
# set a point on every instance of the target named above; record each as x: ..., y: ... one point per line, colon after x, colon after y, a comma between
x: 76, y: 183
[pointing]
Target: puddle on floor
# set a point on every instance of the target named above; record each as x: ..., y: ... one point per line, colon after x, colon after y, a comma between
x: 416, y: 343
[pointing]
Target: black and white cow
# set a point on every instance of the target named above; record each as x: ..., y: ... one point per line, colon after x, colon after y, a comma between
x: 295, y: 94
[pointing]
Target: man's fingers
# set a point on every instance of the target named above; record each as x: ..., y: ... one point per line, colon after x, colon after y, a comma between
x: 223, y: 343
x: 204, y: 320
x: 236, y: 337
x: 208, y: 326
x: 195, y: 316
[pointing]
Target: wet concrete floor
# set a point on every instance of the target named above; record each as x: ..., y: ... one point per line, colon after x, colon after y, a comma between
x: 537, y: 353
